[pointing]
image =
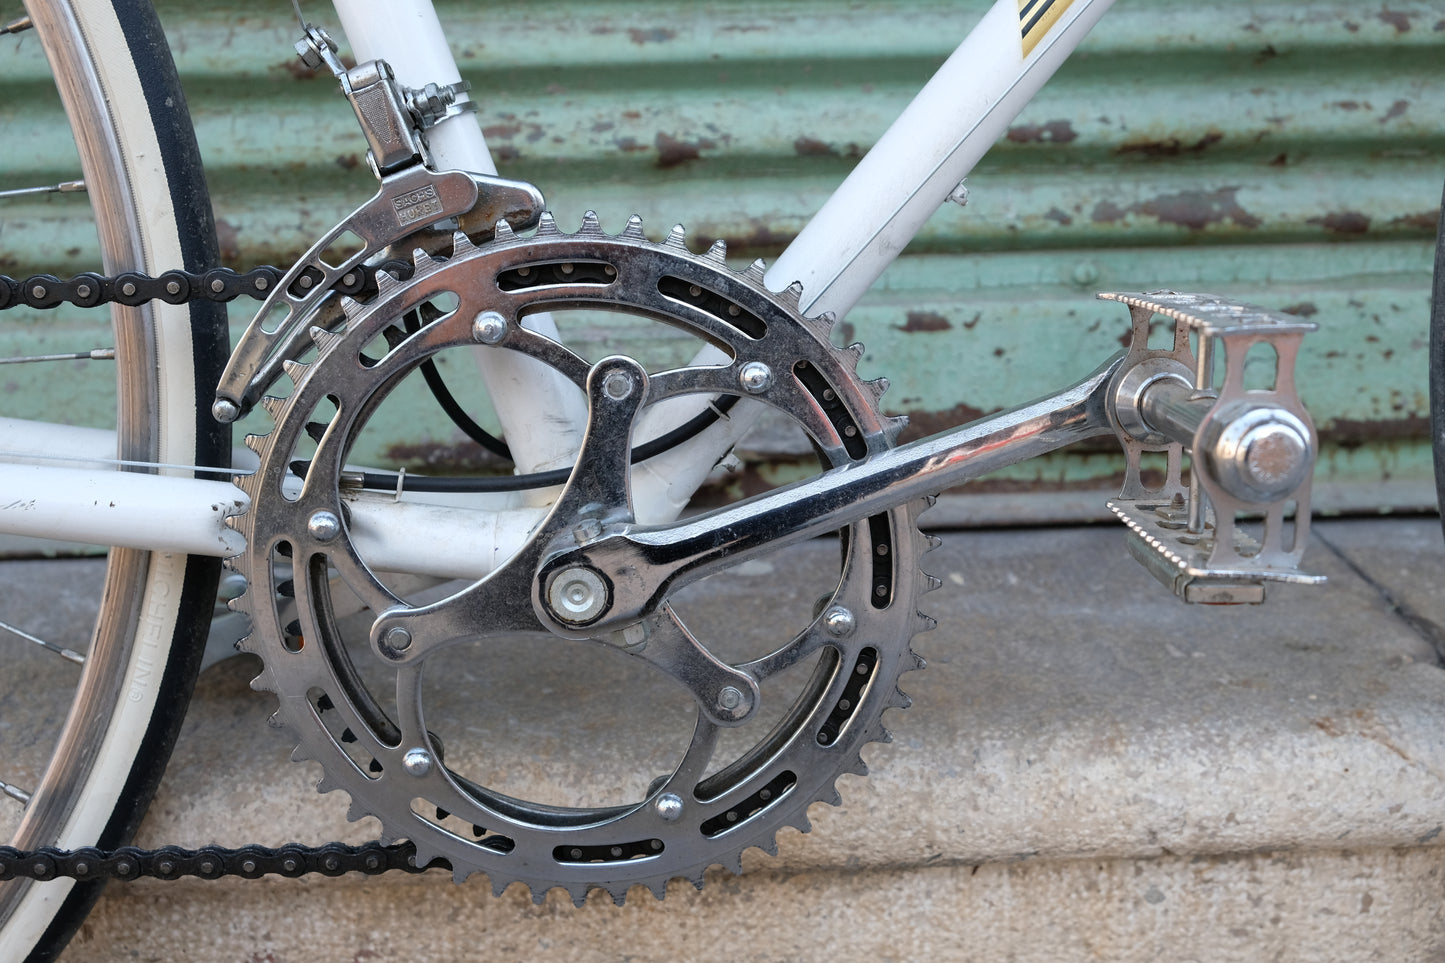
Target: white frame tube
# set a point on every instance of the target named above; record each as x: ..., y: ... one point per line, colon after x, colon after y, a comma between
x: 162, y: 513
x: 952, y: 122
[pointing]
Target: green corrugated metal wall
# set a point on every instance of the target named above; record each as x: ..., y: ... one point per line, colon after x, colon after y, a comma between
x: 1290, y: 153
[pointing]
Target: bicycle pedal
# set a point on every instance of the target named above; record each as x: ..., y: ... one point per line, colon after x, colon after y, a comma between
x: 1251, y: 449
x: 1181, y: 560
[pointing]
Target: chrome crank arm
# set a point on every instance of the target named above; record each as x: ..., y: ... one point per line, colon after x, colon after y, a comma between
x: 645, y: 564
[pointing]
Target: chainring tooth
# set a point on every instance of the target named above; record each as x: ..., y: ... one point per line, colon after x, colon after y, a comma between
x: 812, y: 765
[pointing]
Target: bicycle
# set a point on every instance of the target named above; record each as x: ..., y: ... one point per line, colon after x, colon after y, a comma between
x: 577, y: 595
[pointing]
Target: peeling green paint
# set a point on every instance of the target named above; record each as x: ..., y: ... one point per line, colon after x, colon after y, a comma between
x: 1281, y: 152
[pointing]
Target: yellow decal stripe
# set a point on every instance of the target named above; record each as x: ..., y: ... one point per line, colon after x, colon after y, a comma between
x: 1037, y: 18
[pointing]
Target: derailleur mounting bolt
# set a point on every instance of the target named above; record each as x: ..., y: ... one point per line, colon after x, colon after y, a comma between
x: 489, y: 327
x: 397, y: 639
x: 755, y: 377
x: 669, y: 806
x: 839, y: 621
x: 417, y: 762
x: 324, y: 526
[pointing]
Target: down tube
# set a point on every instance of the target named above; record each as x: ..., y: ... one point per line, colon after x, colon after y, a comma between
x: 930, y: 148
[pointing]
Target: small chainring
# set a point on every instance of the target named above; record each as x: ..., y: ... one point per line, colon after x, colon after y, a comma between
x: 824, y: 686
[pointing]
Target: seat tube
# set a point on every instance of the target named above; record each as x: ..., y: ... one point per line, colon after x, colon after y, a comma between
x: 542, y: 413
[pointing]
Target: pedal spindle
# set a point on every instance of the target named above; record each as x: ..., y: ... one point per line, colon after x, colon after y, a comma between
x: 1243, y: 518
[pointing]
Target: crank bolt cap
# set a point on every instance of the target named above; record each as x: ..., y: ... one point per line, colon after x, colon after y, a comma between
x: 755, y: 377
x: 324, y: 526
x: 577, y: 595
x: 489, y: 327
x: 669, y: 806
x: 839, y: 621
x: 397, y: 638
x: 417, y: 762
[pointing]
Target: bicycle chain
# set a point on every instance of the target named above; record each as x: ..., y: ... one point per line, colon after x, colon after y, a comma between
x: 132, y: 288
x: 209, y: 862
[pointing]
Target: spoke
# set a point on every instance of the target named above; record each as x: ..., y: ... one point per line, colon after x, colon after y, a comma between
x: 15, y: 792
x: 69, y: 655
x: 99, y: 354
x: 64, y: 187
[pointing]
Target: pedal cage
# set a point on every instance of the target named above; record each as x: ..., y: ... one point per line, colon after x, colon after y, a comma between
x: 1192, y: 537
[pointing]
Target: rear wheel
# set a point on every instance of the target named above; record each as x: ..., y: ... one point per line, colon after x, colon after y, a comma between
x: 138, y: 156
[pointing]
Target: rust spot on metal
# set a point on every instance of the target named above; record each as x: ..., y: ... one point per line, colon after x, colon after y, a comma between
x: 1424, y: 221
x: 1053, y: 132
x: 1343, y: 222
x: 1347, y: 104
x: 1170, y: 147
x: 671, y: 151
x: 602, y: 126
x: 348, y: 161
x: 1107, y: 212
x: 1279, y: 160
x: 921, y: 424
x: 1394, y: 18
x: 919, y: 321
x: 463, y: 458
x: 1396, y: 109
x: 629, y: 144
x: 761, y: 239
x: 1058, y: 216
x: 1351, y: 433
x: 812, y: 147
x: 1304, y: 309
x: 1196, y: 210
x: 632, y: 115
x: 1352, y: 27
x: 654, y: 35
x: 1439, y: 26
x: 501, y: 131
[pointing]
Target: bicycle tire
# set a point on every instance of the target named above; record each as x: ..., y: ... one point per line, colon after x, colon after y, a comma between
x: 143, y: 173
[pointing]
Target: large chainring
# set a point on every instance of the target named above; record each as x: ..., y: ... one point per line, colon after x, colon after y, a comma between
x: 823, y: 687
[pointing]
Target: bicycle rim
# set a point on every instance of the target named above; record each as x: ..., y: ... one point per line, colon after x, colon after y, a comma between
x: 142, y: 171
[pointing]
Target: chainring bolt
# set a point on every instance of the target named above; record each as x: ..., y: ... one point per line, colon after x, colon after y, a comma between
x: 839, y: 622
x: 755, y: 377
x: 324, y: 526
x: 218, y: 285
x: 586, y: 530
x: 417, y: 761
x: 489, y: 327
x: 617, y: 385
x: 729, y: 697
x: 397, y: 639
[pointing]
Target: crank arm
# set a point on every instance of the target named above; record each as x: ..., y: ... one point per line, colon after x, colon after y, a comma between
x: 645, y: 564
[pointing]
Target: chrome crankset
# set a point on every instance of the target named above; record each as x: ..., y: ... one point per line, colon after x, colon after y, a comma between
x: 741, y: 735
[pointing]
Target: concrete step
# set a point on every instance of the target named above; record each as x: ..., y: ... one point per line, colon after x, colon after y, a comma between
x: 1091, y: 770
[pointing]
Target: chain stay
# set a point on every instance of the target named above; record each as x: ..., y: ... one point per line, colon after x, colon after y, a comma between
x: 209, y: 862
